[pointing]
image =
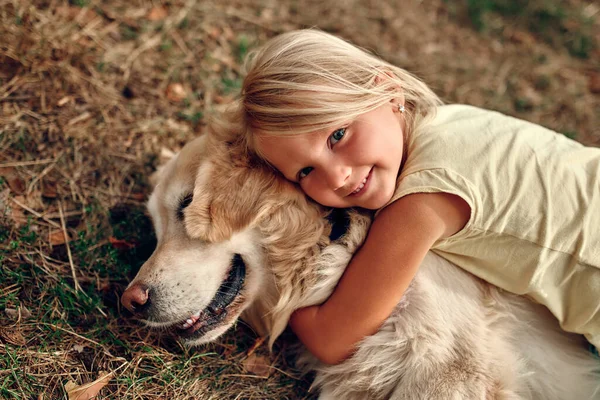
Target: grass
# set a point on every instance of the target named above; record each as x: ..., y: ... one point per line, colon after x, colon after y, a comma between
x: 558, y: 23
x: 84, y: 117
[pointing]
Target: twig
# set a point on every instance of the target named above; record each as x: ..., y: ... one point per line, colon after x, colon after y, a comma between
x: 64, y: 229
x: 257, y: 343
x: 13, y: 81
x: 38, y: 177
x: 37, y: 214
x: 26, y: 163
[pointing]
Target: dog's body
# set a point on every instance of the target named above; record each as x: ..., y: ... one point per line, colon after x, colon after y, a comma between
x: 249, y: 244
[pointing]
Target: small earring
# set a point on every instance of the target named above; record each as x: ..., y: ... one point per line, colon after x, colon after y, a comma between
x: 401, y: 108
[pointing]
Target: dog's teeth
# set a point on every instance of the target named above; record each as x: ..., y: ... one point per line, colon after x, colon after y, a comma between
x: 185, y: 326
x: 189, y: 322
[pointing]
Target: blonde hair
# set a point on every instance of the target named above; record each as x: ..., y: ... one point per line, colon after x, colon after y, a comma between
x: 308, y: 80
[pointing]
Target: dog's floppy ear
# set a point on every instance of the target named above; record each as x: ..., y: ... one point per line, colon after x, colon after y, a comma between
x: 230, y: 193
x: 197, y: 214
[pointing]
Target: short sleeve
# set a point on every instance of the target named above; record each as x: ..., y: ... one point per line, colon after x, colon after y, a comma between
x: 439, y: 180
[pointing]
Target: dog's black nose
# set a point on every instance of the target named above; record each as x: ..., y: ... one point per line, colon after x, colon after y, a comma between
x: 135, y: 298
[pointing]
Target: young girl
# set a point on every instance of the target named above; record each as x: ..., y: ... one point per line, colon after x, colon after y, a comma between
x: 513, y: 203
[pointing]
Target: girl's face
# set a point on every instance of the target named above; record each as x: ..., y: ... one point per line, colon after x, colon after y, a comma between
x: 355, y: 165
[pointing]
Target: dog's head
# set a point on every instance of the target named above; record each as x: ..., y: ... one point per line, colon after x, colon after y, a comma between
x: 235, y: 239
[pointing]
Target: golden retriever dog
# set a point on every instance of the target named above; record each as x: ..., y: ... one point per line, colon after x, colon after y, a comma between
x: 237, y: 241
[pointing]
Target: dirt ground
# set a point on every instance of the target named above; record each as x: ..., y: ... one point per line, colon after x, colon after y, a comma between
x: 93, y: 92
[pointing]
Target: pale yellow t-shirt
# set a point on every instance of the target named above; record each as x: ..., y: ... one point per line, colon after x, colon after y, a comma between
x: 535, y: 207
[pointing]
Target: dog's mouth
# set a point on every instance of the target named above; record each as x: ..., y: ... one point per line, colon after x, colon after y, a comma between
x: 218, y: 309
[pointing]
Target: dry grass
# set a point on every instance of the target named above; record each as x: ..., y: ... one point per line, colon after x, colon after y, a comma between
x: 92, y: 91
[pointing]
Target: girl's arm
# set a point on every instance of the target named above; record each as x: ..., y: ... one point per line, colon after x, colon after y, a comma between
x: 379, y: 273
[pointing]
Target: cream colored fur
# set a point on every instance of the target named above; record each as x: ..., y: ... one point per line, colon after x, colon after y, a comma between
x: 451, y: 337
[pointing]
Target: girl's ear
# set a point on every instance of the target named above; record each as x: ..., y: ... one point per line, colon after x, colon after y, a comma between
x: 398, y: 103
x: 388, y: 77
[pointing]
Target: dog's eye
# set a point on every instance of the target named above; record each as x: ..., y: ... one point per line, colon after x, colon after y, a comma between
x: 183, y: 203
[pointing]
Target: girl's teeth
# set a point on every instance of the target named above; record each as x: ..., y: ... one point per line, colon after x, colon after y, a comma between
x: 362, y: 185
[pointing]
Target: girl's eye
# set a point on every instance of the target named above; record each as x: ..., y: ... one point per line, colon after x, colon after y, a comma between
x: 337, y: 135
x: 304, y: 172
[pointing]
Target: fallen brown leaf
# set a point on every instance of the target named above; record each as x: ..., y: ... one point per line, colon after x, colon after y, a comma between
x: 15, y: 182
x: 13, y: 313
x: 16, y: 212
x: 176, y: 92
x: 78, y: 348
x: 594, y: 83
x: 523, y: 37
x: 120, y: 244
x: 89, y: 390
x: 12, y: 336
x: 157, y: 14
x: 56, y: 237
x: 258, y: 365
x: 49, y: 190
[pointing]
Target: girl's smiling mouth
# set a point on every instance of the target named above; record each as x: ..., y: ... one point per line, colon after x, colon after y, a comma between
x: 362, y: 186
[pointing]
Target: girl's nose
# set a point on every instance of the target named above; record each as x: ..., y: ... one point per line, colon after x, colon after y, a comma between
x: 337, y: 177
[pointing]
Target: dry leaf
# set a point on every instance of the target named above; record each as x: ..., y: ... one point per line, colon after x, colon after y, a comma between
x: 157, y: 14
x: 78, y: 348
x: 16, y: 212
x: 139, y: 196
x: 15, y: 182
x: 104, y: 285
x: 49, y: 190
x: 56, y: 237
x: 25, y: 313
x: 258, y: 365
x: 213, y: 32
x: 89, y: 390
x: 13, y: 313
x: 64, y: 101
x: 522, y: 37
x: 176, y: 92
x: 120, y: 244
x: 12, y: 336
x: 530, y: 94
x: 594, y: 83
